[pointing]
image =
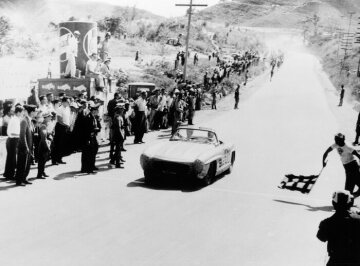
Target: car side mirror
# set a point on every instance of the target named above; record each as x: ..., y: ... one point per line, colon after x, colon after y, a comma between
x: 221, y: 142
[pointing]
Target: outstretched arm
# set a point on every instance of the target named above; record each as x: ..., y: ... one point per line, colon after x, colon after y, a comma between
x: 325, y: 155
x: 356, y: 154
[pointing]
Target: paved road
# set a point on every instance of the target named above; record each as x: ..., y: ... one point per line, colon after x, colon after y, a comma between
x: 112, y: 218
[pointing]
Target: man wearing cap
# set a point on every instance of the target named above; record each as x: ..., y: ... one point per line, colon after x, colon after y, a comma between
x: 153, y: 104
x: 44, y: 145
x: 341, y: 231
x: 347, y: 156
x: 140, y: 118
x: 25, y: 147
x: 61, y: 130
x: 92, y: 70
x: 118, y: 134
x: 105, y: 72
x: 90, y: 128
x: 105, y: 46
x: 71, y: 54
x: 13, y: 132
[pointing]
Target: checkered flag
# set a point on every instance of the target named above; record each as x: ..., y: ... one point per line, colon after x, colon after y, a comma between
x: 301, y: 183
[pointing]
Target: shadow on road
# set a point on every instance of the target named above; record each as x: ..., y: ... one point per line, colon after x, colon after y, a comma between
x: 310, y: 208
x: 75, y: 174
x: 185, y: 187
x: 8, y: 187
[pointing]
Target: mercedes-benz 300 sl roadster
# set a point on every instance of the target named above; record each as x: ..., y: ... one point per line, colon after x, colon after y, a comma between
x: 195, y: 153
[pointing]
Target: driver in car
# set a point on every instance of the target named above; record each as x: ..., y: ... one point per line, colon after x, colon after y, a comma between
x: 211, y: 137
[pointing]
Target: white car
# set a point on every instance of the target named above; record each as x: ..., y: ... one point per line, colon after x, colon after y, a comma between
x: 191, y: 152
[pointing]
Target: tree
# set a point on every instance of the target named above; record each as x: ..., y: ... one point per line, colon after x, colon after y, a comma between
x: 5, y: 27
x: 114, y: 25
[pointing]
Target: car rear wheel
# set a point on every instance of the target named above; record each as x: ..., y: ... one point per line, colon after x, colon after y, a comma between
x: 210, y: 176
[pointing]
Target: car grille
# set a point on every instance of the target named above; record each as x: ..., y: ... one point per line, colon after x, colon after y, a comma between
x: 171, y: 167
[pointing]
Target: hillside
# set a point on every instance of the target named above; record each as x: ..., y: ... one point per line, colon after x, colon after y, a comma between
x: 35, y: 15
x: 279, y: 13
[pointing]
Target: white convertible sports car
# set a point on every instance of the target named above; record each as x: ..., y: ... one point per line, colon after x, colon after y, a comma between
x: 191, y: 152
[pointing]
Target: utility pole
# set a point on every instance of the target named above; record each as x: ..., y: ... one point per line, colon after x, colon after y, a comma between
x: 348, y: 36
x: 191, y: 5
x: 357, y: 40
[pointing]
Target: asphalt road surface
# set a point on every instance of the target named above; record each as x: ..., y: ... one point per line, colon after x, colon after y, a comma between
x: 113, y: 218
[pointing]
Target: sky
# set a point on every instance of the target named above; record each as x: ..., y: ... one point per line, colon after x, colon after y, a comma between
x: 164, y: 8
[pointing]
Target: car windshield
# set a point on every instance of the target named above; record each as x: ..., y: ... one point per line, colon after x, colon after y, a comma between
x: 195, y: 135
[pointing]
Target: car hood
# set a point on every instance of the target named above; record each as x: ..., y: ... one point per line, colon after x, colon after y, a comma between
x: 178, y: 151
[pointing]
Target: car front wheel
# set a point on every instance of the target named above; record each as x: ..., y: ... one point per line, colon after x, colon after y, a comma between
x: 210, y: 176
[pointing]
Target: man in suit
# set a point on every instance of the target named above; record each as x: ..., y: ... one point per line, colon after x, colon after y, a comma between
x: 25, y: 146
x: 90, y: 127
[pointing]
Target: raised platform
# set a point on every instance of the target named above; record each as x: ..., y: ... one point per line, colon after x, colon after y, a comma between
x: 70, y: 86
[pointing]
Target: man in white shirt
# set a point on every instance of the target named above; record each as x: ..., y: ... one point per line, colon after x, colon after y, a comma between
x: 347, y: 156
x: 140, y: 118
x: 43, y: 106
x: 12, y: 141
x: 61, y: 132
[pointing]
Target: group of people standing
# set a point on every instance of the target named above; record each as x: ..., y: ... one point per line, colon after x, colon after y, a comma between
x: 51, y: 130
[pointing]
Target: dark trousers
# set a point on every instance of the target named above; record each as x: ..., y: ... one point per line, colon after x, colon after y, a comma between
x: 42, y: 159
x: 59, y: 143
x: 140, y: 126
x: 352, y: 176
x: 117, y: 154
x: 191, y: 117
x: 88, y: 155
x: 341, y: 101
x: 213, y: 105
x: 10, y: 165
x: 22, y: 166
x: 236, y: 103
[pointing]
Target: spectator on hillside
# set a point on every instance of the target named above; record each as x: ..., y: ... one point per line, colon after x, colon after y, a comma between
x: 357, y: 130
x: 237, y: 96
x: 342, y: 93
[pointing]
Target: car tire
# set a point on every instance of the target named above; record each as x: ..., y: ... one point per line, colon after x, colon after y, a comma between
x: 210, y: 176
x: 229, y: 171
x: 149, y: 178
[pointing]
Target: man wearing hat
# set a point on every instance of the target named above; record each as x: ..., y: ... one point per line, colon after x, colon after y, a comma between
x: 105, y: 72
x: 90, y: 128
x: 61, y: 131
x: 140, y: 118
x: 44, y: 145
x: 71, y: 54
x: 25, y: 146
x: 118, y: 138
x: 341, y: 231
x: 92, y: 70
x: 153, y: 104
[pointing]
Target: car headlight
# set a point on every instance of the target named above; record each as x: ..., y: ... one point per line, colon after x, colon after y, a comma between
x: 144, y: 160
x: 198, y: 166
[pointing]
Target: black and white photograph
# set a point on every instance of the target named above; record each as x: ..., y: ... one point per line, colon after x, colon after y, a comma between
x: 180, y: 132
